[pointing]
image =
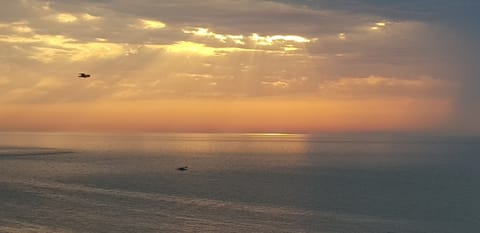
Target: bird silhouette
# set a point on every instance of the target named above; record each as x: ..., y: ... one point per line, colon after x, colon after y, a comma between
x: 83, y: 75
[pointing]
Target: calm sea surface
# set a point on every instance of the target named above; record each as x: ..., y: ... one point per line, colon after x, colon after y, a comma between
x: 238, y: 183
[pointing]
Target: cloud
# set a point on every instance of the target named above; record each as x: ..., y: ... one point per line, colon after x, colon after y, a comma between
x: 89, y: 17
x: 150, y: 24
x: 66, y: 18
x: 205, y: 32
x: 268, y: 40
x: 17, y: 27
x: 252, y: 42
x: 385, y: 87
x: 59, y: 48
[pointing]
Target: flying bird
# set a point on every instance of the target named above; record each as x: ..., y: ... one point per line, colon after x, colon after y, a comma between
x: 83, y: 75
x: 184, y: 168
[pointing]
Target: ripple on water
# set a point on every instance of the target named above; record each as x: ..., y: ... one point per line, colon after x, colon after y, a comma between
x: 6, y: 152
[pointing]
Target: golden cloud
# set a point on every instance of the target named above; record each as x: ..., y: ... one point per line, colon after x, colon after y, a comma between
x: 47, y: 39
x: 89, y: 17
x: 50, y: 48
x: 286, y: 42
x: 66, y: 18
x: 150, y: 24
x: 205, y: 32
x: 199, y: 49
x: 269, y: 40
x: 379, y: 25
x: 17, y: 27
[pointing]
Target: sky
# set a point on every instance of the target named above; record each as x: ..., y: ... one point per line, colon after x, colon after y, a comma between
x: 305, y: 66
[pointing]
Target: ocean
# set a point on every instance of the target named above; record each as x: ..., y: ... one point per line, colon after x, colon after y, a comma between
x: 82, y: 182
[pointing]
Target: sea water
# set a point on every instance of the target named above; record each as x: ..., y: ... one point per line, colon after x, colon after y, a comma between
x: 59, y: 182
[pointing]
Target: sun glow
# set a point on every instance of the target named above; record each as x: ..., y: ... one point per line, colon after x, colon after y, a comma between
x: 273, y: 134
x: 187, y: 47
x: 257, y: 115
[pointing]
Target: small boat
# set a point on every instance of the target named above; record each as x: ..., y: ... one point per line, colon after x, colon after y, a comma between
x: 184, y: 168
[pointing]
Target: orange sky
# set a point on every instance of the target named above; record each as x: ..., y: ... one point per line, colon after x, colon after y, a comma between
x: 255, y: 115
x: 277, y: 66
